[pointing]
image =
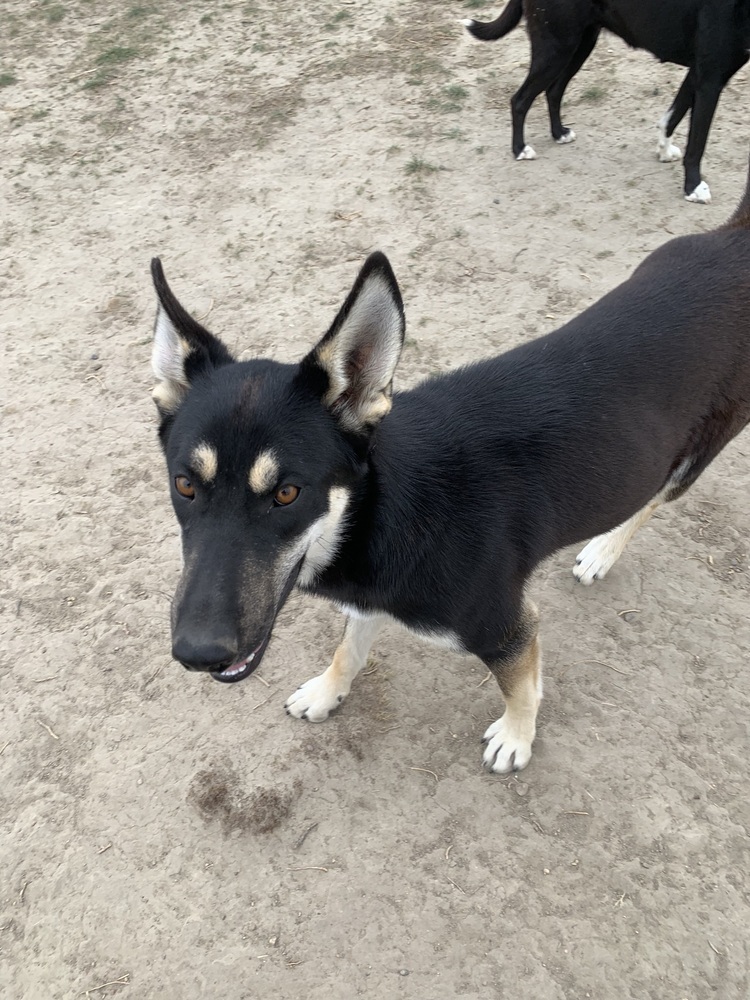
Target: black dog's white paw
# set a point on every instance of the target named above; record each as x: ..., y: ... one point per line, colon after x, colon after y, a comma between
x: 316, y: 698
x: 508, y: 746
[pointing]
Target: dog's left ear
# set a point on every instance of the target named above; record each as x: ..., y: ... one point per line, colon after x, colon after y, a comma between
x: 182, y: 347
x: 359, y: 353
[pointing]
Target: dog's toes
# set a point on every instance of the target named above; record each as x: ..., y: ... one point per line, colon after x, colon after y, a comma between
x: 700, y: 195
x: 668, y: 152
x: 527, y: 153
x: 508, y: 746
x: 567, y: 136
x: 316, y: 698
x: 597, y: 558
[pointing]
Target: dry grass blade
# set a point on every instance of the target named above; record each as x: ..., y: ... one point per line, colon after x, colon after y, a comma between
x: 426, y: 771
x: 122, y: 981
x: 601, y: 663
x: 45, y: 726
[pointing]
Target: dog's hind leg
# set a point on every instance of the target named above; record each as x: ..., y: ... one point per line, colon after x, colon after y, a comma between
x: 599, y: 556
x: 683, y: 101
x: 316, y: 698
x: 547, y: 65
x: 517, y: 667
x: 602, y: 552
x: 560, y: 133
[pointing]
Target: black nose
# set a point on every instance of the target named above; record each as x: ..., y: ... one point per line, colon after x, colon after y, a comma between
x: 204, y: 653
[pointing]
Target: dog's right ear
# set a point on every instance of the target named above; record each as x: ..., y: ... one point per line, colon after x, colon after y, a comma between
x: 354, y: 363
x: 182, y: 347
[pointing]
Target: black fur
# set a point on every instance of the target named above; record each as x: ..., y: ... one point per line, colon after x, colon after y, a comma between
x: 710, y: 37
x: 474, y: 476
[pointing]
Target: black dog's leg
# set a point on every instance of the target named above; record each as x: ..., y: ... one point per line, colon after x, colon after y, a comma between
x: 680, y: 106
x: 316, y: 698
x: 706, y: 98
x: 517, y: 666
x: 547, y: 65
x: 682, y: 103
x: 555, y: 93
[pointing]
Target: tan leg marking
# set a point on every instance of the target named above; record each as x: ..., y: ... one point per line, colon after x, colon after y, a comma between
x: 320, y: 695
x: 509, y: 739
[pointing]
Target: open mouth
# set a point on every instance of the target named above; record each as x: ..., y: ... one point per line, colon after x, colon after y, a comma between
x: 242, y: 668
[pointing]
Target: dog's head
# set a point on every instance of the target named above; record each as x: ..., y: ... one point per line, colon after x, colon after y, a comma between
x: 264, y: 460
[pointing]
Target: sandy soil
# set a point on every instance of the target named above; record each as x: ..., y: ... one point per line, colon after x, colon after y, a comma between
x: 173, y: 837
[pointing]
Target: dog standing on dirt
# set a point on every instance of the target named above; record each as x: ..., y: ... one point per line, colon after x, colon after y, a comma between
x: 433, y: 506
x: 710, y: 37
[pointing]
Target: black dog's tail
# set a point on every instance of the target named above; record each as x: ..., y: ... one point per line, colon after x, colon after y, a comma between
x: 741, y: 217
x: 490, y: 31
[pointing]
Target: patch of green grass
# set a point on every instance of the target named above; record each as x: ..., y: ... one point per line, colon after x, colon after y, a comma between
x: 456, y: 92
x: 8, y: 79
x: 337, y: 20
x: 451, y: 98
x: 418, y: 165
x: 594, y: 93
x: 53, y: 13
x: 428, y: 66
x: 116, y: 55
x: 235, y: 250
x: 476, y: 4
x: 107, y: 62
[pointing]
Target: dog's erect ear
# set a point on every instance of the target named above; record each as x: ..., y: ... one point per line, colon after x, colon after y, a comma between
x: 182, y: 347
x: 359, y: 353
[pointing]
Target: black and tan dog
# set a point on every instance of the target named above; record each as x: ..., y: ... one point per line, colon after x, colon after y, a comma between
x: 710, y: 37
x: 433, y: 506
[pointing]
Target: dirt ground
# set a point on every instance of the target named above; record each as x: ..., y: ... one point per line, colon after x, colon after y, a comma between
x: 166, y: 836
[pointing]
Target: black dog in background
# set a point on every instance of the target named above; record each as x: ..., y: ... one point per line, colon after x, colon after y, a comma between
x: 710, y: 37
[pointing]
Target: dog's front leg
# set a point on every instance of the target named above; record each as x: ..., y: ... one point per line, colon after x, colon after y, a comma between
x: 316, y: 698
x: 517, y: 666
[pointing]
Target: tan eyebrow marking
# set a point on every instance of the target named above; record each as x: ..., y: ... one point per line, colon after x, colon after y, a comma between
x: 205, y: 462
x: 264, y: 473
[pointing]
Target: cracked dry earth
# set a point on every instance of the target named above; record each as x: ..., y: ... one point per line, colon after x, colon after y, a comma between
x: 166, y: 836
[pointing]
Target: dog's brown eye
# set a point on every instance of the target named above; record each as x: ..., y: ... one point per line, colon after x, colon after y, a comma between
x: 184, y: 487
x: 285, y: 495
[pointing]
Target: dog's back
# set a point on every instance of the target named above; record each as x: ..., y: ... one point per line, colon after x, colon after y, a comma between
x: 710, y: 37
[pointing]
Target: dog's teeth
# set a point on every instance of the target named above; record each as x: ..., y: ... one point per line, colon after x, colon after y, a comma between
x: 250, y: 658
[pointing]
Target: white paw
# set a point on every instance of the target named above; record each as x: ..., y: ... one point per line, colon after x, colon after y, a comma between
x: 508, y: 746
x: 527, y: 153
x: 569, y: 136
x: 597, y: 559
x: 668, y: 152
x: 316, y: 698
x: 701, y: 195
